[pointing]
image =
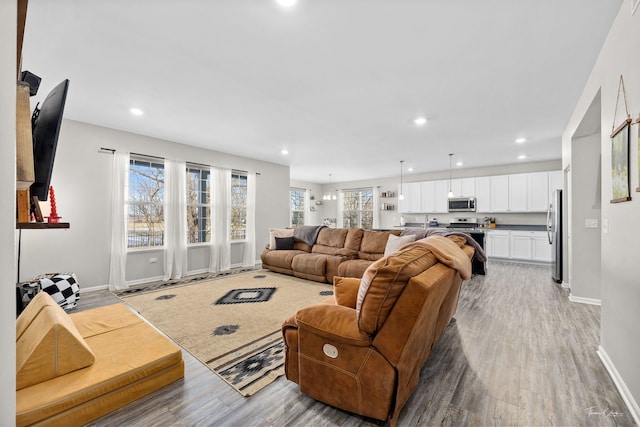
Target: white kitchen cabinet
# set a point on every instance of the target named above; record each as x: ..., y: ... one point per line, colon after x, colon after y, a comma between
x: 412, y: 193
x: 499, y: 193
x: 468, y: 187
x: 497, y: 243
x: 538, y: 191
x: 518, y: 192
x: 542, y: 249
x: 483, y: 194
x: 441, y: 196
x: 428, y: 198
x: 530, y: 246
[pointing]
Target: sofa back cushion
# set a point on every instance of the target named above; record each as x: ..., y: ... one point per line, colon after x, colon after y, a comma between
x: 384, y: 281
x: 373, y: 244
x: 330, y: 240
x: 49, y: 346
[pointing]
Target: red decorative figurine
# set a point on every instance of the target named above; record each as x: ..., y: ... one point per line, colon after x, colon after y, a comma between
x: 53, y: 215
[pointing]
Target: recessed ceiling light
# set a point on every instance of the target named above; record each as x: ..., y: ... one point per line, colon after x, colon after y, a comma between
x: 459, y: 164
x: 410, y: 170
x: 286, y: 3
x: 522, y: 157
x: 521, y: 140
x: 136, y: 111
x: 284, y: 151
x: 420, y: 121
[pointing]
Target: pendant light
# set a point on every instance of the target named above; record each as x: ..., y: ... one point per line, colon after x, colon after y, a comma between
x: 450, y: 195
x: 401, y: 196
x: 328, y: 195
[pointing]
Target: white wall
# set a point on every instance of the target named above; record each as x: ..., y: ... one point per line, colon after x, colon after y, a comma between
x: 7, y: 211
x: 82, y: 182
x: 620, y: 285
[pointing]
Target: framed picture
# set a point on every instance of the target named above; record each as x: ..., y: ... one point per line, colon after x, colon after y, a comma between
x: 620, y: 163
x: 638, y: 164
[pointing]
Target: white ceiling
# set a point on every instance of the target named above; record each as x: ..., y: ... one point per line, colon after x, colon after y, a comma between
x: 335, y: 82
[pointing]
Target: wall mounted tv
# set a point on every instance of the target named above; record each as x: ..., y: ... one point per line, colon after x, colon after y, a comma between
x: 45, y: 127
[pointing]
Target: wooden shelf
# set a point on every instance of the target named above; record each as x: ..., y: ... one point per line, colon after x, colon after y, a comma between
x: 40, y: 225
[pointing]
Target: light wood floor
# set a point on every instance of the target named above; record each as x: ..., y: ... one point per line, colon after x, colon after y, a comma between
x: 518, y: 354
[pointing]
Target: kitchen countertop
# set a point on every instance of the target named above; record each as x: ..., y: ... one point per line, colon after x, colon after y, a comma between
x: 443, y: 226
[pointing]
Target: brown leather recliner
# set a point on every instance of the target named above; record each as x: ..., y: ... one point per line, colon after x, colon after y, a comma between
x: 362, y: 349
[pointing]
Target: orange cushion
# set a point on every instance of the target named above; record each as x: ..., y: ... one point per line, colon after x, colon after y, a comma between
x: 49, y: 346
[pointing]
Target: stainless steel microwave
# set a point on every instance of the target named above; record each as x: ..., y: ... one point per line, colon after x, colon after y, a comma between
x: 462, y: 204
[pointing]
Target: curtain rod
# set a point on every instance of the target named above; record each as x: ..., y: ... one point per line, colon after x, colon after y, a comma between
x: 112, y: 151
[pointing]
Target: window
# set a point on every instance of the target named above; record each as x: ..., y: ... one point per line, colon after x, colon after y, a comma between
x: 357, y: 208
x: 238, y: 206
x: 297, y: 206
x: 198, y: 205
x: 145, y: 221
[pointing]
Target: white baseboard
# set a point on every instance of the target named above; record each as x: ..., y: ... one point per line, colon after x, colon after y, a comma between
x: 581, y: 300
x: 632, y: 405
x: 95, y: 288
x: 565, y: 285
x: 145, y: 280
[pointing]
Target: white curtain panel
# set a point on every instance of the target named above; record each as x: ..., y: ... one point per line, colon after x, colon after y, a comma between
x: 119, y: 192
x: 249, y: 253
x: 376, y: 207
x: 307, y: 207
x: 175, y: 222
x: 220, y: 249
x: 339, y: 210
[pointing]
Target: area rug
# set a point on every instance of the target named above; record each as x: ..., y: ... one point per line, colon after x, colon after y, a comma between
x: 231, y: 324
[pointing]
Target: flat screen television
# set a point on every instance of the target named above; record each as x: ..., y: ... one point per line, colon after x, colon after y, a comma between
x: 45, y: 127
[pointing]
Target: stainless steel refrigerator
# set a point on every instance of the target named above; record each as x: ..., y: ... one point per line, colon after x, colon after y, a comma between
x: 554, y: 231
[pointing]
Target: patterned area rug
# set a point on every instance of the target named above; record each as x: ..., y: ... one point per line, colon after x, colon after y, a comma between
x: 231, y: 324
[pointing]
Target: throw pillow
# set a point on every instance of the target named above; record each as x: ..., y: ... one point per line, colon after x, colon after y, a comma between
x: 278, y: 232
x: 63, y: 288
x: 284, y: 243
x: 394, y: 243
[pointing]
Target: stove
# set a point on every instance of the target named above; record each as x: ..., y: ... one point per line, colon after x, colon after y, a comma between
x: 463, y: 224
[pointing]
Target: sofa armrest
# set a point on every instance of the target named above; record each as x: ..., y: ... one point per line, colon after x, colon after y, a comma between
x: 334, y: 322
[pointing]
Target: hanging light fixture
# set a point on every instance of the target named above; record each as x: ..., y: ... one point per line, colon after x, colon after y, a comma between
x: 328, y: 195
x: 401, y: 196
x: 450, y: 195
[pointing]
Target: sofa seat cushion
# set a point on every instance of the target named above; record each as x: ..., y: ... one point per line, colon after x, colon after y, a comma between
x: 385, y: 280
x: 280, y: 259
x: 311, y: 266
x: 131, y: 360
x: 354, y: 267
x: 49, y: 346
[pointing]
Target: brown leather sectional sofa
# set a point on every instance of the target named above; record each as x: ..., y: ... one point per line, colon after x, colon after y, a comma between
x: 345, y: 252
x: 363, y: 348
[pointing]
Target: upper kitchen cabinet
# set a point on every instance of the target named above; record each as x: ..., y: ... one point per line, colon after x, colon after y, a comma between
x: 518, y: 192
x: 428, y: 196
x: 499, y: 193
x: 556, y: 182
x: 412, y: 202
x: 483, y: 193
x: 441, y: 196
x: 463, y: 187
x: 538, y: 191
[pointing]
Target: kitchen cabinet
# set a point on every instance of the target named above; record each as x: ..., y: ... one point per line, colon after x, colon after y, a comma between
x: 483, y: 194
x: 518, y: 192
x: 497, y: 243
x: 428, y: 189
x: 463, y: 187
x: 538, y: 191
x: 530, y: 246
x: 412, y: 198
x: 556, y: 182
x: 441, y: 196
x: 499, y: 193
